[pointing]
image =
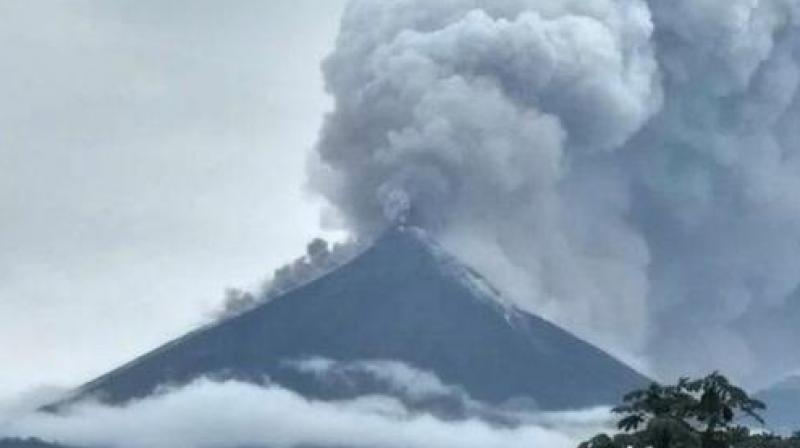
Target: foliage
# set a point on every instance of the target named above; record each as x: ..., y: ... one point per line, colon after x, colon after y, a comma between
x: 701, y: 413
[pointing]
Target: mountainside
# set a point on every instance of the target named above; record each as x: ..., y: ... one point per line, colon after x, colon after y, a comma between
x: 28, y: 443
x: 783, y: 405
x: 402, y: 300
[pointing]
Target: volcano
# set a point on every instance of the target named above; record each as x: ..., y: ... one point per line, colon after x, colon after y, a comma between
x: 402, y: 300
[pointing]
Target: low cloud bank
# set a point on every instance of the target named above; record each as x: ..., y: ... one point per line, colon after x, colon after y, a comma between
x: 232, y: 414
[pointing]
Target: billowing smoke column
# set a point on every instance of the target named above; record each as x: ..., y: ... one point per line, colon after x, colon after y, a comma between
x: 627, y: 168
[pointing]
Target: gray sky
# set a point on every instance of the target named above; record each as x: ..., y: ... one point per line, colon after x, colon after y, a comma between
x: 151, y: 154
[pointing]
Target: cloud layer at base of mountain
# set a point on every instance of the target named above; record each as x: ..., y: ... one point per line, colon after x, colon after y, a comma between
x: 217, y: 414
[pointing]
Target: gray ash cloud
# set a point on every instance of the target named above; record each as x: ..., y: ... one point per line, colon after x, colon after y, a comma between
x: 627, y: 168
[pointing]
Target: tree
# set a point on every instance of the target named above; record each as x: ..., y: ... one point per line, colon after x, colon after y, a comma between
x: 700, y: 413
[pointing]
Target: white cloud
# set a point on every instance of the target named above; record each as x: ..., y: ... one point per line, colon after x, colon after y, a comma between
x: 398, y: 377
x: 232, y: 414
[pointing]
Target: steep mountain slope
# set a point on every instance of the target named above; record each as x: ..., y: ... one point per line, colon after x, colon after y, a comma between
x: 403, y: 300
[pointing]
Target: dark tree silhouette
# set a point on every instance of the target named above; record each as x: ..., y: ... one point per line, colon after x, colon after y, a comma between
x: 701, y: 413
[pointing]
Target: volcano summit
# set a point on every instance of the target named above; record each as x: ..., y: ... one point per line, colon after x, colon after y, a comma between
x: 403, y: 300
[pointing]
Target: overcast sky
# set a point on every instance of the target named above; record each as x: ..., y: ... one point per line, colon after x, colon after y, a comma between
x: 151, y: 154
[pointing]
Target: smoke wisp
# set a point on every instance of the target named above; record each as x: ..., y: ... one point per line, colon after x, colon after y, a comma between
x: 320, y: 259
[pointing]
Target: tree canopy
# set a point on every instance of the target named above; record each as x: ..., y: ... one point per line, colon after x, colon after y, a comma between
x: 709, y: 412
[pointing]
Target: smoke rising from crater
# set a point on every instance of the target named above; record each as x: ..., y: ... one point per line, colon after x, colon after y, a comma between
x: 627, y: 168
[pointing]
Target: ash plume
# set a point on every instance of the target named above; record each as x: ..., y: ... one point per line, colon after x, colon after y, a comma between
x: 627, y: 168
x: 321, y: 258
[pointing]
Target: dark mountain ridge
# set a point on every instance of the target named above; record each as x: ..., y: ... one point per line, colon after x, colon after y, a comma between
x: 404, y: 300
